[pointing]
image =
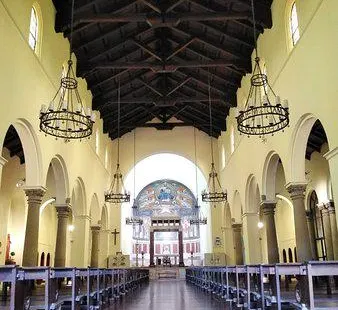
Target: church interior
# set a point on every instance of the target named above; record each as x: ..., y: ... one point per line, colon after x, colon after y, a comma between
x: 168, y: 154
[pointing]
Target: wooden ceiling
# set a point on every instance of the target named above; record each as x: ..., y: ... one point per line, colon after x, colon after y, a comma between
x: 12, y: 142
x: 163, y: 54
x: 316, y: 139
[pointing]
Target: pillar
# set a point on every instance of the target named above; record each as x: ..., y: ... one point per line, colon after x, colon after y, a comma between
x: 297, y: 193
x: 151, y: 249
x: 251, y: 239
x: 311, y: 228
x: 94, y: 262
x: 268, y: 208
x: 81, y: 241
x: 180, y: 248
x: 30, y: 250
x: 63, y: 212
x: 3, y: 162
x: 327, y: 230
x: 334, y: 233
x: 238, y: 246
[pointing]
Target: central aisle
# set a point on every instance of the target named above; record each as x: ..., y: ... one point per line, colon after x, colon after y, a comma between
x: 168, y: 295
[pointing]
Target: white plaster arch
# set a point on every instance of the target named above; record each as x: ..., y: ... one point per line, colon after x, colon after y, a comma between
x: 298, y: 144
x: 237, y: 207
x: 227, y: 216
x: 269, y: 176
x: 32, y: 152
x: 104, y: 217
x: 252, y: 195
x: 61, y: 179
x: 94, y: 211
x: 78, y: 201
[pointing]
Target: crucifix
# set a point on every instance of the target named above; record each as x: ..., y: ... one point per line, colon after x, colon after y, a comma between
x: 115, y: 233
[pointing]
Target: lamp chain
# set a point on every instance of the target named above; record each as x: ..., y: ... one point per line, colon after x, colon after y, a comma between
x: 210, y: 115
x: 71, y: 31
x: 254, y: 26
x: 118, y: 125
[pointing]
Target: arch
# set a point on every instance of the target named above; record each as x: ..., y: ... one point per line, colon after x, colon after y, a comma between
x: 48, y: 260
x: 285, y: 258
x: 237, y: 208
x: 269, y: 175
x: 78, y: 201
x: 61, y: 179
x: 32, y: 152
x: 94, y: 211
x: 299, y: 140
x: 228, y: 217
x: 290, y: 255
x: 42, y: 259
x: 104, y: 217
x: 295, y: 254
x: 252, y: 196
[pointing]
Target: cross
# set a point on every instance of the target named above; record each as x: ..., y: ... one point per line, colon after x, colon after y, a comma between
x: 115, y: 233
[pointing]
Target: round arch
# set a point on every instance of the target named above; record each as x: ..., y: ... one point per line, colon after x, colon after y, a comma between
x: 237, y: 209
x: 269, y: 176
x: 78, y: 201
x: 252, y: 196
x: 60, y: 172
x: 32, y: 152
x: 94, y: 211
x: 298, y: 145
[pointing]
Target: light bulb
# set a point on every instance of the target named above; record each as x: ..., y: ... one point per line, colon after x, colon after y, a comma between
x: 286, y: 104
x: 51, y: 106
x: 277, y: 100
x: 71, y: 228
x: 260, y: 225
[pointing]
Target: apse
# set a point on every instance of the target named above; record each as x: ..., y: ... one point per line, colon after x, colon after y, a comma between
x: 158, y: 168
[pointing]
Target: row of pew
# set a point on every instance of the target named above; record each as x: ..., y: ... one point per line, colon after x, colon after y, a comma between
x: 259, y: 286
x: 66, y: 288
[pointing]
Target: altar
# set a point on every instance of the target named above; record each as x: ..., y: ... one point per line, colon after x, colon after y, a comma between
x: 166, y: 259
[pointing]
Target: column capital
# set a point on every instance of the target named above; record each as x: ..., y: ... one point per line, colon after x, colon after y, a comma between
x: 296, y: 190
x: 330, y: 154
x: 246, y: 214
x: 63, y: 210
x: 34, y: 194
x: 237, y: 227
x: 330, y: 207
x: 95, y: 228
x: 268, y: 207
x: 3, y: 161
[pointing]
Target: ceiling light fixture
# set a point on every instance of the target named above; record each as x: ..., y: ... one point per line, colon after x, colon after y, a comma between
x: 215, y: 193
x: 114, y: 195
x: 264, y: 113
x: 66, y: 116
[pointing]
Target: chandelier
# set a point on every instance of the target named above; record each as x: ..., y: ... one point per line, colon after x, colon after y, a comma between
x: 197, y: 218
x: 117, y: 192
x: 135, y: 219
x: 215, y: 192
x: 264, y: 113
x: 66, y: 116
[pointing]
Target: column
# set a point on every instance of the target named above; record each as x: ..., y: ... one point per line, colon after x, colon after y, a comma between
x: 327, y: 230
x: 297, y: 193
x: 180, y: 249
x: 3, y: 162
x: 268, y: 208
x: 30, y: 250
x: 81, y: 241
x: 311, y: 228
x: 63, y: 212
x: 151, y: 249
x: 94, y: 262
x: 251, y: 239
x: 334, y: 232
x: 237, y: 233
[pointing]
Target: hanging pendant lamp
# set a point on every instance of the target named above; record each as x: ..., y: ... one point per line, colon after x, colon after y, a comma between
x: 66, y: 117
x: 117, y: 192
x: 135, y: 219
x: 214, y: 193
x: 264, y: 113
x: 198, y: 218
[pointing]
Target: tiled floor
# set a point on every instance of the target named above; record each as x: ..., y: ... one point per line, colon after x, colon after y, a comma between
x: 168, y: 295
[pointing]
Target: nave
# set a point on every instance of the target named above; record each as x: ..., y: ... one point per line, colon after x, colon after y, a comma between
x: 168, y: 294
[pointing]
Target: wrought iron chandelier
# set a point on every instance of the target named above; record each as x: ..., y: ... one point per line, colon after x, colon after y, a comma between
x: 264, y: 113
x: 215, y: 192
x: 66, y: 116
x: 198, y: 219
x: 117, y: 192
x: 135, y: 219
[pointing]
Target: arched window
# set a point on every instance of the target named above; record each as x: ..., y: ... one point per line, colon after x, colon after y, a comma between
x: 294, y: 26
x: 34, y: 30
x: 285, y: 259
x: 290, y: 256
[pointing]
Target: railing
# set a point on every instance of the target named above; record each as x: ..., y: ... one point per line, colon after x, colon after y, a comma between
x: 45, y: 288
x: 244, y: 286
